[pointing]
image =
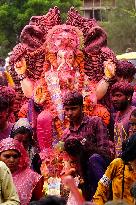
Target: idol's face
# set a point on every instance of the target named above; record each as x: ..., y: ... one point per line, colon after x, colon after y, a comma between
x: 65, y: 59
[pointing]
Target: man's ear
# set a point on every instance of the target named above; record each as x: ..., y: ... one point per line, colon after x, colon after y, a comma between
x: 129, y: 98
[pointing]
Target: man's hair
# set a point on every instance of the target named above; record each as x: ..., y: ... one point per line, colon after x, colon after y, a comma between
x: 73, y: 98
x: 122, y: 87
x: 7, y: 96
x: 125, y: 69
x: 129, y: 149
x: 133, y: 113
x: 73, y: 146
x: 133, y: 190
x: 129, y: 50
x: 49, y: 200
x: 3, y: 103
x: 116, y: 202
x: 3, y: 80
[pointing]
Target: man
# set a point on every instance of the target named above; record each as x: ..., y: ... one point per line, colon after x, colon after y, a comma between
x: 122, y: 93
x: 87, y: 141
x: 123, y: 71
x: 7, y: 96
x: 132, y: 123
x: 8, y: 194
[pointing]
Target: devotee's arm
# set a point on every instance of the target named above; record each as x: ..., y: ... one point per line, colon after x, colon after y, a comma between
x: 101, y: 88
x: 7, y: 187
x: 103, y: 190
x: 103, y: 84
x: 38, y: 190
x: 69, y: 181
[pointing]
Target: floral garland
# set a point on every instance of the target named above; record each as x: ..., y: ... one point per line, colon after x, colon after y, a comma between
x: 55, y: 162
x: 78, y: 63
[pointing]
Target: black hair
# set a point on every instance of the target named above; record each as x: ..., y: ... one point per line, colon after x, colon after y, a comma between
x: 73, y: 98
x: 73, y: 146
x: 133, y: 190
x: 4, y: 104
x: 7, y: 96
x: 77, y: 149
x: 22, y: 130
x: 129, y: 149
x: 133, y: 113
x: 50, y: 200
x: 122, y: 87
x: 3, y: 79
x: 125, y: 69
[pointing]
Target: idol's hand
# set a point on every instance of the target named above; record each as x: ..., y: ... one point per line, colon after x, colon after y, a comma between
x: 20, y: 67
x: 109, y: 68
x: 39, y: 94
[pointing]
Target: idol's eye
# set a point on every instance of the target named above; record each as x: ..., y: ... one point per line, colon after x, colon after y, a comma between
x: 59, y: 56
x: 70, y: 57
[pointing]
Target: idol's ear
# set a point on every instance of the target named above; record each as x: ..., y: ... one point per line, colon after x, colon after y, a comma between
x: 94, y: 36
x: 84, y: 24
x: 95, y: 39
x: 46, y: 22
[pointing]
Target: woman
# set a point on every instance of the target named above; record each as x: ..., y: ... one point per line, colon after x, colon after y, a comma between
x: 22, y: 131
x: 28, y: 183
x: 121, y: 174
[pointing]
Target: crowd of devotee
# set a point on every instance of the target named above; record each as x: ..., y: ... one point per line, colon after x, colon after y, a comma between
x: 67, y: 117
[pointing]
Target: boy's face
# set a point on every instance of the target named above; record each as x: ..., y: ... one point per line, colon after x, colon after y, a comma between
x: 132, y: 128
x: 73, y: 112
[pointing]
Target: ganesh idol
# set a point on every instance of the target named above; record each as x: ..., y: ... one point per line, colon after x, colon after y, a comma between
x: 63, y: 71
x: 61, y: 56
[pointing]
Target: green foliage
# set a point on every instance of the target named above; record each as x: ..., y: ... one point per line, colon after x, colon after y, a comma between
x: 15, y: 14
x: 121, y: 27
